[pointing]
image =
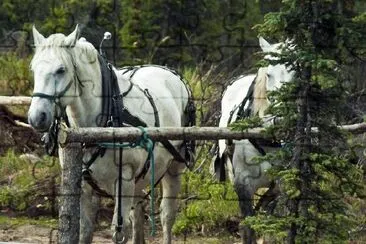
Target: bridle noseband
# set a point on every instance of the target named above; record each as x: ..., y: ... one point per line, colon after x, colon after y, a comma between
x: 56, y: 97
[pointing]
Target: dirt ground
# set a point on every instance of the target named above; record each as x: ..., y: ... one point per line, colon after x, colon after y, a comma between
x: 38, y: 234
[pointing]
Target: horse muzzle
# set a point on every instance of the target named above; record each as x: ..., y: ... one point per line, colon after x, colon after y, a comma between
x: 40, y: 115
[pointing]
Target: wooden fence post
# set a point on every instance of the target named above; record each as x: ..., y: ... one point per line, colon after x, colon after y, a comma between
x: 69, y: 208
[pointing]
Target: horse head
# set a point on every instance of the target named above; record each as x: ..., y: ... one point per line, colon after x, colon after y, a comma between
x: 56, y: 70
x: 277, y: 74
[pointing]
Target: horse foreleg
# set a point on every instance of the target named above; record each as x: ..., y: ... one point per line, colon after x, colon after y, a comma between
x: 171, y: 186
x: 246, y: 209
x: 88, y: 213
x: 137, y: 217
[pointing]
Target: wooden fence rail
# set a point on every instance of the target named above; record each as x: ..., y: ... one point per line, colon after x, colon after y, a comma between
x: 15, y: 100
x: 129, y: 134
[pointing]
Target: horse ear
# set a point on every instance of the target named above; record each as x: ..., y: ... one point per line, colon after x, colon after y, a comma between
x: 266, y: 47
x: 37, y: 37
x: 71, y: 39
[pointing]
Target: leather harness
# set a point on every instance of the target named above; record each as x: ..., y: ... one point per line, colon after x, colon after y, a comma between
x: 243, y: 113
x: 115, y: 114
x: 113, y: 108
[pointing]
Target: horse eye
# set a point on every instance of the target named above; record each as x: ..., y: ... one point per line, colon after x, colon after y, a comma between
x: 60, y: 71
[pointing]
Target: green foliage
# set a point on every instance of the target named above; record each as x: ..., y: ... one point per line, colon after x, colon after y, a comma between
x: 210, y: 203
x: 203, y: 90
x: 265, y: 224
x: 183, y: 31
x: 22, y: 181
x: 15, y: 75
x: 175, y: 32
x: 205, y: 201
x: 247, y: 123
x: 6, y: 222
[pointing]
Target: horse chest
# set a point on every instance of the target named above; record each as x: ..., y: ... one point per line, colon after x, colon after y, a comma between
x: 104, y: 170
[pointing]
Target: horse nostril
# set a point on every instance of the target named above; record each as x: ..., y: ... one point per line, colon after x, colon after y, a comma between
x: 43, y: 116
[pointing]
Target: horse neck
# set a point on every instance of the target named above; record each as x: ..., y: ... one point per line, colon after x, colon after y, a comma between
x: 85, y: 108
x: 260, y: 101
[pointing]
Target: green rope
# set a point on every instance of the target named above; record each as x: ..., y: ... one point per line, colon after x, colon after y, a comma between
x: 148, y: 144
x: 116, y: 145
x: 144, y: 142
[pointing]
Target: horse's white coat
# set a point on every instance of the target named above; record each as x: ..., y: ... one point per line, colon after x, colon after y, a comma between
x: 246, y: 174
x: 58, y: 60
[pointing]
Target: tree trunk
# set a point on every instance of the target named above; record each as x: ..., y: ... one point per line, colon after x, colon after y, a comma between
x: 297, y: 205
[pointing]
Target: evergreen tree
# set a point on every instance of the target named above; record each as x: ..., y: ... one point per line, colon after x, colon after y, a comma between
x: 316, y: 174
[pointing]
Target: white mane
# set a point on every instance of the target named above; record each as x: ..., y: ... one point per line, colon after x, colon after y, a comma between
x: 260, y: 101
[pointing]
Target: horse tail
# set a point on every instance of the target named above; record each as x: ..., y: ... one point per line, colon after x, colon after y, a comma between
x: 218, y: 168
x: 190, y: 120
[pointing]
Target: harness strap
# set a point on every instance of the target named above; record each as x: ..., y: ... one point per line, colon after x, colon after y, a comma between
x: 190, y: 110
x: 86, y: 174
x: 106, y: 76
x: 257, y: 146
x: 130, y: 119
x: 119, y: 193
x: 177, y: 156
x: 99, y: 152
x: 121, y: 113
x: 244, y: 113
x: 128, y: 90
x: 151, y: 100
x: 117, y: 121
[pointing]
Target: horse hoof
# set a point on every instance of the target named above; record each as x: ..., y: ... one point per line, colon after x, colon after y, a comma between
x: 119, y: 238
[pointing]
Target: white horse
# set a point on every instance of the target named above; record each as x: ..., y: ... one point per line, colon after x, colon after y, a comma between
x: 68, y: 76
x: 248, y: 95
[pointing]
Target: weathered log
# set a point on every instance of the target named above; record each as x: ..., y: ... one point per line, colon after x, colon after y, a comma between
x: 15, y: 100
x: 130, y: 134
x: 359, y: 128
x: 69, y: 210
